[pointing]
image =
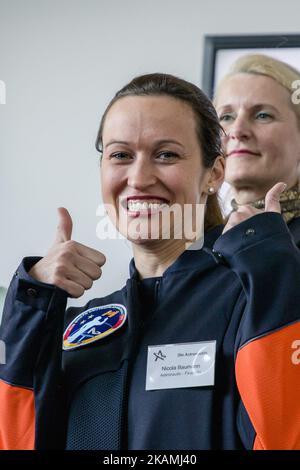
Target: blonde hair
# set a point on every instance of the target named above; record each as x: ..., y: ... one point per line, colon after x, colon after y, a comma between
x: 259, y: 64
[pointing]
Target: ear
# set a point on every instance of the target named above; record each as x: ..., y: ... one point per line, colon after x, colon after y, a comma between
x: 216, y: 175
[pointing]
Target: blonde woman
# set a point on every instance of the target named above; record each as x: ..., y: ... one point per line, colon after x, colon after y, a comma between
x: 258, y: 108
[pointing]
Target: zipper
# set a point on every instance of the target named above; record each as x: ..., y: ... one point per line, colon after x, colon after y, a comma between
x: 156, y: 291
x: 129, y: 365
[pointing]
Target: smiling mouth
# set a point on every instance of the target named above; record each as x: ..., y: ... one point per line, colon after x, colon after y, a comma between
x: 242, y: 152
x: 147, y: 207
x: 143, y: 205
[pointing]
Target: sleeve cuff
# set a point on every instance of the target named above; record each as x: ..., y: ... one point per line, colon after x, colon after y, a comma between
x: 30, y: 291
x: 249, y: 232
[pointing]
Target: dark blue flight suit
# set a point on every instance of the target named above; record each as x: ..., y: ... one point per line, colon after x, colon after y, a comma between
x: 241, y: 289
x: 294, y: 228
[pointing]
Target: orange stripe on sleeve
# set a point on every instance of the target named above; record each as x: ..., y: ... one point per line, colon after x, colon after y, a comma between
x: 268, y: 378
x: 17, y: 418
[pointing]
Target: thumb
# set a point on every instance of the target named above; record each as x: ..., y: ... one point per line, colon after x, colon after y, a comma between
x: 272, y: 203
x: 64, y: 227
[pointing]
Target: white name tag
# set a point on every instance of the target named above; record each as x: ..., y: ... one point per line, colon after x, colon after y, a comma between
x: 181, y: 365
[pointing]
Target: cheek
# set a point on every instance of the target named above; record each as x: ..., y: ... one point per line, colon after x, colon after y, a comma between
x: 279, y: 143
x: 279, y: 152
x: 224, y: 139
x: 192, y: 187
x: 182, y: 183
x: 105, y: 189
x: 289, y: 146
x: 271, y: 143
x: 110, y: 184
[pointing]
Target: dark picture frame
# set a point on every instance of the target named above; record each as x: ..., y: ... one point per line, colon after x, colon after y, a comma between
x: 285, y: 47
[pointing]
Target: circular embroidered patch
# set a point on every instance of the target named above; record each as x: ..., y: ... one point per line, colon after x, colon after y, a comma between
x: 93, y: 324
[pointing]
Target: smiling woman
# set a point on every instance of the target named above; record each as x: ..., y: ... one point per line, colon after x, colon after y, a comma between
x: 261, y: 119
x: 179, y: 358
x: 154, y: 160
x: 190, y: 140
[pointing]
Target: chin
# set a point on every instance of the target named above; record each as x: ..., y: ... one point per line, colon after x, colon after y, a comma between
x: 236, y: 173
x: 143, y: 242
x: 240, y: 179
x: 142, y: 239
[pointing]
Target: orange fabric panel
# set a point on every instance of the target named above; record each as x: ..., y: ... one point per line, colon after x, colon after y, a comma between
x: 268, y: 378
x: 17, y: 418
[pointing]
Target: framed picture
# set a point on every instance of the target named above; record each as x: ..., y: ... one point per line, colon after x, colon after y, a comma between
x: 221, y: 51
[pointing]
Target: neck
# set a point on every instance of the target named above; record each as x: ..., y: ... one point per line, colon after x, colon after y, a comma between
x: 247, y: 195
x: 152, y: 260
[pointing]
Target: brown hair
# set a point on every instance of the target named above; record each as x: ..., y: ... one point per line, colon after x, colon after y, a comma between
x: 207, y: 123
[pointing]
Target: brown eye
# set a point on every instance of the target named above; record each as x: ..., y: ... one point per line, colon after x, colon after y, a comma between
x: 167, y: 156
x: 121, y: 156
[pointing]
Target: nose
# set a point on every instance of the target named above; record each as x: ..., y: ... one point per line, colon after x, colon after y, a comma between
x: 239, y: 129
x: 141, y: 173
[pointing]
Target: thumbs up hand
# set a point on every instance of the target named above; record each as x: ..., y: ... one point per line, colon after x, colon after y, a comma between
x: 65, y: 226
x: 272, y: 203
x: 246, y: 211
x: 68, y: 264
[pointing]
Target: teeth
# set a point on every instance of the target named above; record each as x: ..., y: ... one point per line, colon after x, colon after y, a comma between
x: 143, y: 206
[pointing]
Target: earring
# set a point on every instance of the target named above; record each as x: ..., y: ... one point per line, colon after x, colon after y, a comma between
x: 211, y: 190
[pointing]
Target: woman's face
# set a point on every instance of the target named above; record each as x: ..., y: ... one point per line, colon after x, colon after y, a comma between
x: 262, y: 142
x: 151, y: 160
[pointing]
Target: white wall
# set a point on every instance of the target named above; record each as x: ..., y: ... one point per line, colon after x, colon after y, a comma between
x: 62, y: 60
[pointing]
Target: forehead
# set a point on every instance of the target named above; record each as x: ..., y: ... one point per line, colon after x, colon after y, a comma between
x: 162, y: 115
x: 245, y: 89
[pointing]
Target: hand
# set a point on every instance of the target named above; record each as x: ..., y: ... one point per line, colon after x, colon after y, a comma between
x: 68, y: 264
x: 246, y: 211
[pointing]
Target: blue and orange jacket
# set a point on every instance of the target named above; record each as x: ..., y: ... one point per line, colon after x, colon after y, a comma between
x: 241, y: 289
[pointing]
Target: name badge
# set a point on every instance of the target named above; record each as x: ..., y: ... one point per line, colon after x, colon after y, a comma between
x: 181, y: 365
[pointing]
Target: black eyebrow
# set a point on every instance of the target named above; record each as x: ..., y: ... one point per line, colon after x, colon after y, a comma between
x: 116, y: 142
x: 158, y: 142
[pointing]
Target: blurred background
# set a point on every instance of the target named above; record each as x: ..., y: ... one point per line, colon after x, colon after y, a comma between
x: 62, y: 61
